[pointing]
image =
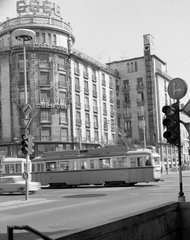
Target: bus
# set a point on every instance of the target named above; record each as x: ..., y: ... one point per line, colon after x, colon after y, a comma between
x: 106, y: 166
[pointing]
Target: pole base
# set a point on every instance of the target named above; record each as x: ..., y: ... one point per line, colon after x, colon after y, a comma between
x: 181, y: 198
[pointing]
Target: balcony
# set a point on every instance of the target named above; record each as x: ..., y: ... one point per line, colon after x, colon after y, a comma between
x: 85, y: 74
x: 87, y: 123
x: 103, y: 82
x: 127, y: 103
x: 86, y: 91
x: 94, y: 79
x: 104, y: 97
x: 112, y: 113
x: 111, y: 85
x: 127, y: 115
x: 105, y: 112
x: 87, y: 107
x: 44, y: 65
x: 140, y: 102
x: 95, y: 109
x: 78, y: 122
x: 94, y: 93
x: 140, y: 87
x: 77, y: 71
x: 105, y: 126
x: 78, y: 104
x: 77, y: 88
x: 126, y: 89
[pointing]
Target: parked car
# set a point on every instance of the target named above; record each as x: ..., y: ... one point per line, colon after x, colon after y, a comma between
x: 16, y: 184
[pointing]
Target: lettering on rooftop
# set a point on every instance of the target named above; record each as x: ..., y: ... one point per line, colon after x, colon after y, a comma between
x: 38, y: 7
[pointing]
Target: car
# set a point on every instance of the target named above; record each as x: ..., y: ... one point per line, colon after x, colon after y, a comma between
x: 16, y: 184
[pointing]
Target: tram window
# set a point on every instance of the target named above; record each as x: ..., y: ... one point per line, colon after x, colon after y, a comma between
x: 104, y: 163
x: 83, y: 164
x: 92, y: 164
x: 6, y: 168
x: 140, y: 161
x: 38, y: 167
x: 120, y: 162
x: 42, y: 167
x: 133, y: 162
x: 33, y: 167
x: 63, y: 166
x: 51, y: 166
x: 18, y: 168
x: 148, y: 161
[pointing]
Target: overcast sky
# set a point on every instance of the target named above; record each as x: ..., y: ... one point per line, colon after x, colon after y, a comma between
x: 111, y: 30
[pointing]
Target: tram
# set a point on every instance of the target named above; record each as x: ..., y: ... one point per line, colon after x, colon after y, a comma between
x: 106, y: 166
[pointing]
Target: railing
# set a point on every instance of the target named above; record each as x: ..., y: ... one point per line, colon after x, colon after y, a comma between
x: 27, y: 228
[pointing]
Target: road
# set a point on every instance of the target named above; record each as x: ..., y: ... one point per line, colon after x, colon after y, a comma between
x: 67, y: 209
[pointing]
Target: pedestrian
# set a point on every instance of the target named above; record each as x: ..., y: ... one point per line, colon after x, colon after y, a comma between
x: 166, y: 169
x: 161, y: 170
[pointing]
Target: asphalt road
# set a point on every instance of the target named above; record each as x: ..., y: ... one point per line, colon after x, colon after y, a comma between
x: 55, y: 211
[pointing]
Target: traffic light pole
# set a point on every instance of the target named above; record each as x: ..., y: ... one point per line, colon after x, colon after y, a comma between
x: 181, y: 197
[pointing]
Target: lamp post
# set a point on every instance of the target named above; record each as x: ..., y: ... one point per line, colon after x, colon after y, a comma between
x: 25, y: 35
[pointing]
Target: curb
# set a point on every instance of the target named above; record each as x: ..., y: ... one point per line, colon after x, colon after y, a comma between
x: 17, y: 203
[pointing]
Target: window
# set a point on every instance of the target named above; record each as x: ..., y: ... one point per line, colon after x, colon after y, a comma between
x: 126, y: 84
x: 87, y: 135
x: 43, y: 60
x: 62, y: 80
x: 136, y: 67
x: 22, y: 97
x: 45, y: 134
x: 45, y: 96
x: 95, y: 120
x: 63, y: 115
x: 43, y: 38
x: 63, y: 97
x: 78, y: 116
x: 21, y: 61
x: 127, y: 98
x: 54, y: 39
x: 94, y: 87
x: 76, y: 67
x: 128, y: 67
x: 37, y: 37
x: 49, y: 38
x: 21, y: 80
x: 77, y: 98
x: 106, y: 137
x: 85, y: 71
x: 64, y: 134
x: 139, y: 82
x: 141, y: 110
x: 127, y: 125
x: 94, y: 102
x: 96, y: 136
x: 45, y: 115
x: 77, y: 82
x: 44, y: 79
x: 61, y: 63
x: 104, y: 108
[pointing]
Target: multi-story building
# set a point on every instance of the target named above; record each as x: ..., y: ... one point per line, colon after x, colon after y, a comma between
x: 70, y: 95
x: 141, y: 93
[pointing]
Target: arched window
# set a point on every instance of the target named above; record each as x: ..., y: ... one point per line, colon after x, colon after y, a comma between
x: 54, y: 39
x: 43, y: 38
x: 37, y: 37
x: 49, y: 38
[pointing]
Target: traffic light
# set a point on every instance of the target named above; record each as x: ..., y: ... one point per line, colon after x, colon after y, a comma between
x: 30, y: 144
x: 171, y: 122
x: 24, y: 144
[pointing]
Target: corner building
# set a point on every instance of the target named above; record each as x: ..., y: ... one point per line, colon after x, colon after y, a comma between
x: 71, y: 95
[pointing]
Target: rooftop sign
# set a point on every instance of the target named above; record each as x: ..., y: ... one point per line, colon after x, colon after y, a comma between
x: 38, y: 7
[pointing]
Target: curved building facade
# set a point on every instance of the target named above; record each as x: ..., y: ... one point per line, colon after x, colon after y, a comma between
x: 70, y: 95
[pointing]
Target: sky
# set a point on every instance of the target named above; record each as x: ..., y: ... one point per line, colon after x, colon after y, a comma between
x: 112, y: 30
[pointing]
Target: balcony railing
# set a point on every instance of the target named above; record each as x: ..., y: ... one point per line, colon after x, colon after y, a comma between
x: 86, y: 90
x: 87, y: 123
x: 43, y: 64
x: 85, y: 74
x: 78, y: 104
x: 77, y: 71
x: 95, y: 109
x: 63, y: 120
x: 94, y: 79
x: 78, y: 121
x: 87, y: 107
x: 77, y: 87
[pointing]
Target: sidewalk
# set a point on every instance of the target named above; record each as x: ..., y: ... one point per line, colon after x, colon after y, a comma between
x: 17, y: 203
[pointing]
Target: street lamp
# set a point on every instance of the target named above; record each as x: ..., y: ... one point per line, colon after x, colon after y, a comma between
x: 25, y: 35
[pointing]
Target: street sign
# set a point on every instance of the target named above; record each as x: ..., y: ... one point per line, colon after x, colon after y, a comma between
x: 177, y: 88
x: 26, y: 122
x: 25, y: 175
x: 27, y: 109
x: 186, y: 108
